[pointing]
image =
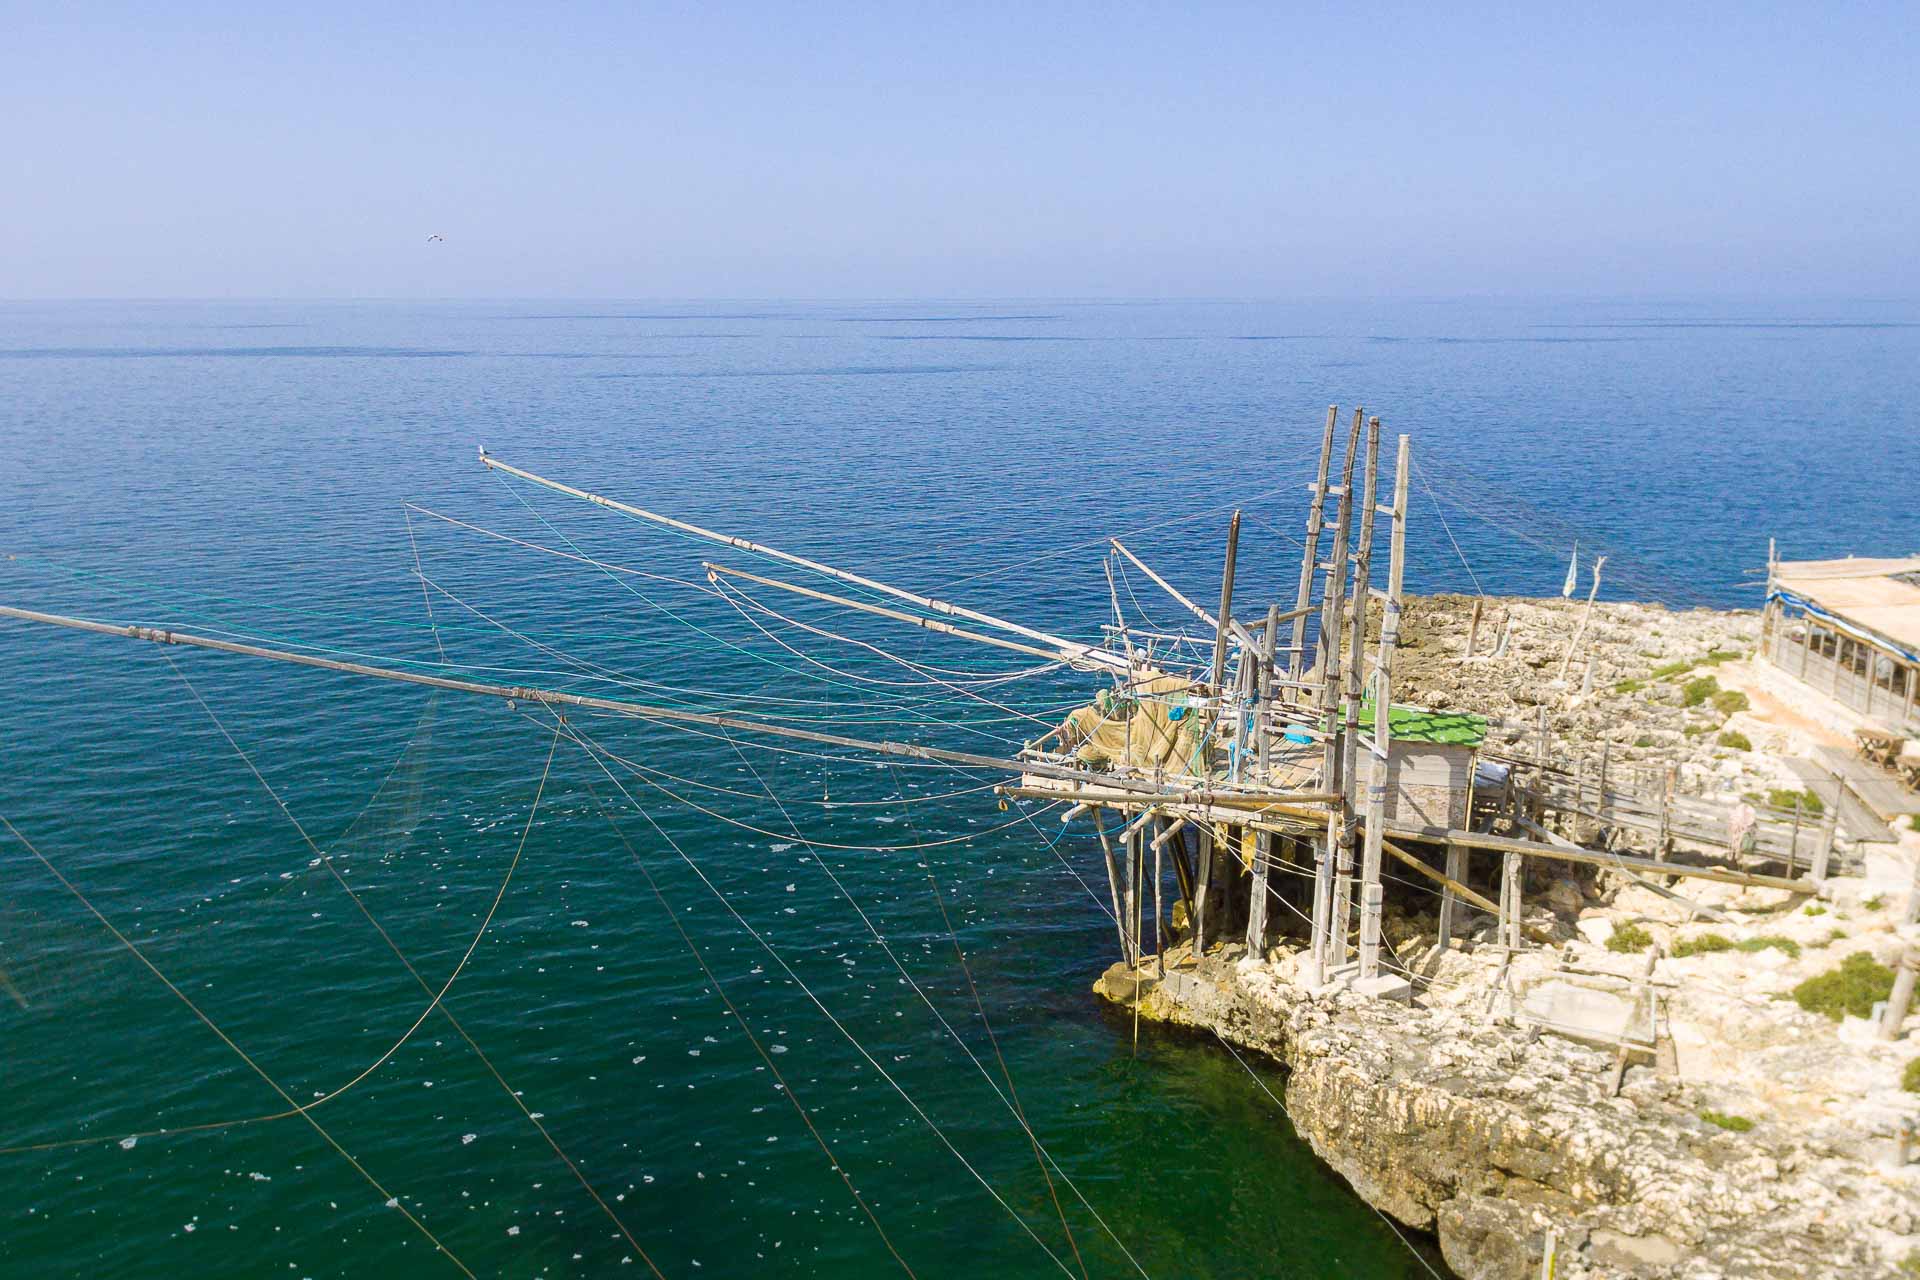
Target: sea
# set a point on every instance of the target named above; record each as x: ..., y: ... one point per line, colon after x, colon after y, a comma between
x: 310, y: 974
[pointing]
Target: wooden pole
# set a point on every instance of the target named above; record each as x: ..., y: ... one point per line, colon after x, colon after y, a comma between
x: 1159, y: 917
x: 1331, y: 895
x: 1378, y: 760
x: 1666, y: 815
x: 1133, y: 839
x: 1902, y: 998
x: 1315, y: 516
x: 1219, y: 669
x: 547, y: 697
x: 1345, y: 887
x: 1585, y: 614
x: 1100, y: 656
x: 1203, y: 856
x: 1113, y: 882
x: 1456, y: 876
x: 1473, y: 628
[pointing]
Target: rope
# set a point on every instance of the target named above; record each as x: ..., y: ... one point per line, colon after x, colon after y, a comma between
x: 594, y: 751
x: 327, y: 861
x: 720, y: 990
x: 227, y: 1040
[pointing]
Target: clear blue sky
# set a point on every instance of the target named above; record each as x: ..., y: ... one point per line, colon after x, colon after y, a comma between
x: 890, y: 150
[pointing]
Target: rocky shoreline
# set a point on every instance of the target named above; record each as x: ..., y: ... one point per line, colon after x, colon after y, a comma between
x: 1758, y: 1142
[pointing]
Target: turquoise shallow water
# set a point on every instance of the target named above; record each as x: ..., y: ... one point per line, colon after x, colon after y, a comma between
x: 241, y: 468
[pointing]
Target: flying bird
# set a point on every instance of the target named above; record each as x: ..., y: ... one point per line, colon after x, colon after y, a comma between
x: 431, y: 239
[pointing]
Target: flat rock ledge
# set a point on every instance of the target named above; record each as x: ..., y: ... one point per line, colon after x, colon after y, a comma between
x: 1485, y: 1138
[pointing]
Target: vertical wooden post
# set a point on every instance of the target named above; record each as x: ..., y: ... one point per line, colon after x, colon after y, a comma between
x: 1225, y: 619
x: 1457, y: 872
x: 1600, y: 805
x: 1355, y: 623
x: 1666, y: 816
x: 1514, y: 873
x: 1113, y: 883
x: 1800, y: 805
x: 1473, y: 628
x: 1131, y: 927
x: 1372, y: 892
x: 1159, y: 917
x: 1203, y: 854
x: 1823, y: 854
x: 1325, y: 875
x: 1263, y: 724
x: 1297, y: 655
x: 1902, y: 998
x: 1257, y: 896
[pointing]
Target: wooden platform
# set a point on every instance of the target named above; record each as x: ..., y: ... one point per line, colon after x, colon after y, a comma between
x: 1879, y: 791
x: 1857, y: 821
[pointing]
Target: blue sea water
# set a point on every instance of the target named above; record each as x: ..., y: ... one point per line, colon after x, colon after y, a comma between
x: 242, y: 469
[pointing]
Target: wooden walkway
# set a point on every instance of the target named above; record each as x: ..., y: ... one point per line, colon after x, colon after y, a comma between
x: 1881, y: 792
x: 1857, y: 821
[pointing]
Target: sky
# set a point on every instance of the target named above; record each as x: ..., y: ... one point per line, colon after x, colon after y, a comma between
x: 898, y: 150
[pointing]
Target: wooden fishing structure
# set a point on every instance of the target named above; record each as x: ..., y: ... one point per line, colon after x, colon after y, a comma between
x: 1260, y: 759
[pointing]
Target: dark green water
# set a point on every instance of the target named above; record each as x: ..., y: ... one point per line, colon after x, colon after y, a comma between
x: 240, y: 468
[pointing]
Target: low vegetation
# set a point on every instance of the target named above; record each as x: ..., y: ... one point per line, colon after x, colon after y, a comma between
x: 1630, y: 686
x: 1853, y: 987
x: 1784, y: 798
x: 1695, y: 692
x: 1874, y: 903
x: 1736, y: 741
x: 1629, y: 939
x: 1910, y: 1078
x: 1728, y: 701
x: 1711, y: 942
x: 1732, y: 1124
x: 1671, y: 669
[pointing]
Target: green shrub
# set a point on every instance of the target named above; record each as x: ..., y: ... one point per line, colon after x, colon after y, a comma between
x: 1783, y: 798
x: 1717, y: 656
x: 1644, y: 740
x: 1736, y: 741
x: 1728, y: 701
x: 1910, y: 1078
x: 1816, y: 909
x: 1875, y: 902
x: 1733, y: 1124
x: 1910, y: 1265
x: 1629, y: 939
x: 1707, y: 943
x: 1834, y: 937
x: 1630, y: 686
x: 1671, y: 669
x: 1695, y: 692
x: 1855, y: 986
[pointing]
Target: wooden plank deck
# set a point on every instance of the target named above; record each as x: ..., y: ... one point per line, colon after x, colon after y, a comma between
x: 1857, y: 822
x: 1881, y: 793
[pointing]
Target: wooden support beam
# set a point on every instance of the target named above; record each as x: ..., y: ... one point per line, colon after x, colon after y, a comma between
x: 1219, y: 668
x: 612, y: 706
x: 1592, y: 857
x: 920, y: 601
x: 1073, y: 654
x: 1252, y: 801
x: 1449, y: 881
x: 1113, y: 888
